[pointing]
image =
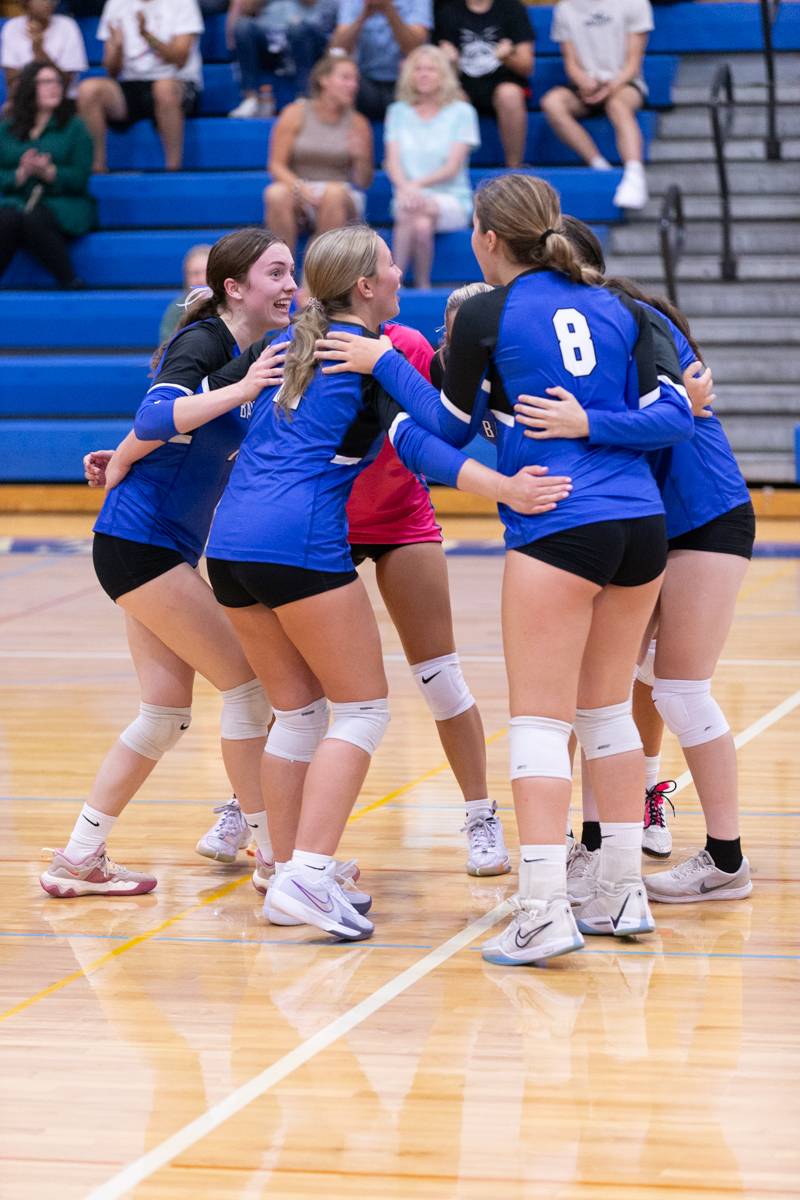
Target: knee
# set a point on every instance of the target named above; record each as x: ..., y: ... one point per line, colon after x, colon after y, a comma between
x: 553, y: 103
x: 362, y: 723
x: 298, y: 731
x: 167, y: 93
x: 336, y: 193
x: 90, y: 93
x: 539, y: 748
x: 276, y: 193
x: 246, y: 712
x: 688, y: 710
x: 156, y: 730
x: 443, y: 686
x: 508, y: 97
x: 422, y: 224
x: 606, y: 731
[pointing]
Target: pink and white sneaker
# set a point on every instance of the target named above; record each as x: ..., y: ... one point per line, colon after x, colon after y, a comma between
x: 656, y: 834
x: 95, y: 875
x: 263, y: 873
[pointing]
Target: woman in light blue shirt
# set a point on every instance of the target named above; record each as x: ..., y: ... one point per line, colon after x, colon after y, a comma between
x: 429, y: 134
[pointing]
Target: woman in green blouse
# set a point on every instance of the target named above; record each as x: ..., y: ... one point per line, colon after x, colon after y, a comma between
x: 45, y: 163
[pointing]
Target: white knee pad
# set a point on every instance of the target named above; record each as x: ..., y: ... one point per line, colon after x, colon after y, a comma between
x: 539, y: 748
x: 362, y: 723
x: 298, y: 731
x: 156, y: 730
x: 444, y: 687
x: 688, y: 709
x: 606, y: 731
x: 646, y: 670
x: 246, y: 712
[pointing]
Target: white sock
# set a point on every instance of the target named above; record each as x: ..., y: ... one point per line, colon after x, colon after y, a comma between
x: 652, y: 767
x: 92, y: 829
x: 307, y: 859
x: 620, y: 850
x: 475, y: 808
x: 258, y: 823
x: 600, y: 163
x: 634, y: 167
x: 542, y: 871
x: 280, y: 868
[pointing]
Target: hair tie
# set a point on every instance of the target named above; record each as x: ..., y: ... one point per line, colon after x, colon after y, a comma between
x: 315, y: 305
x: 194, y: 295
x: 546, y: 235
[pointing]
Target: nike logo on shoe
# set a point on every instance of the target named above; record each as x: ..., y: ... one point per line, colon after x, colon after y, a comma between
x: 526, y: 940
x: 323, y: 908
x: 428, y: 678
x: 91, y: 822
x: 186, y: 726
x: 714, y: 887
x: 251, y: 826
x: 616, y: 922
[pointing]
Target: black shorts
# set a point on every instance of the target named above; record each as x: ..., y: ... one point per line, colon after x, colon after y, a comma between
x: 122, y: 565
x: 376, y: 550
x: 627, y: 552
x: 598, y: 110
x: 138, y: 95
x: 242, y: 584
x: 732, y: 533
x: 481, y: 88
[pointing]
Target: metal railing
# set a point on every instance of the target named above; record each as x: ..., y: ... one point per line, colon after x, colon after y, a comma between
x: 721, y: 106
x: 671, y: 228
x: 769, y: 12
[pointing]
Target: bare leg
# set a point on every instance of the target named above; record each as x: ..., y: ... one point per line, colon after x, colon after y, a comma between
x: 697, y: 606
x: 621, y: 109
x: 335, y: 208
x: 512, y: 121
x: 562, y: 108
x: 423, y: 230
x: 98, y: 101
x: 414, y: 586
x: 168, y: 102
x: 648, y: 722
x: 403, y: 239
x: 279, y: 213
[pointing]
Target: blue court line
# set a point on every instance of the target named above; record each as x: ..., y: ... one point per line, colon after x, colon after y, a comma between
x: 367, y: 945
x: 31, y: 569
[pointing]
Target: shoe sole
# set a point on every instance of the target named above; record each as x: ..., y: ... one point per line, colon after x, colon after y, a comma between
x: 644, y: 927
x: 60, y: 890
x: 276, y: 917
x: 485, y: 872
x: 740, y: 893
x: 295, y: 908
x: 656, y: 853
x: 502, y: 960
x: 217, y: 856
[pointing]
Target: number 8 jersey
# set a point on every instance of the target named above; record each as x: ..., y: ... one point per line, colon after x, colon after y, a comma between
x: 542, y: 331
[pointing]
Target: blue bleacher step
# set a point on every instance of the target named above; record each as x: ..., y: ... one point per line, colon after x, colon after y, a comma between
x: 67, y: 385
x: 215, y: 143
x: 50, y: 451
x: 178, y: 199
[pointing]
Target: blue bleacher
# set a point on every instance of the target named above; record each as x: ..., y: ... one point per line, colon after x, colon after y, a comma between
x: 88, y: 369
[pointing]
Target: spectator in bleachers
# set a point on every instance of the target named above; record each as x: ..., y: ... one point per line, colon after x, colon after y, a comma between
x: 429, y: 135
x: 491, y: 44
x: 285, y: 37
x: 321, y: 156
x: 603, y: 44
x: 45, y: 163
x: 154, y: 70
x: 379, y: 34
x: 195, y: 262
x: 41, y: 35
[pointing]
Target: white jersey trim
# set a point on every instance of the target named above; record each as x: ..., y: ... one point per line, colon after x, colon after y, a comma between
x: 679, y: 388
x: 451, y: 408
x: 403, y: 416
x: 503, y: 417
x: 178, y: 388
x: 341, y: 460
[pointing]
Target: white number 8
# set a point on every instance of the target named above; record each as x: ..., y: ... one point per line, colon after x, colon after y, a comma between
x: 575, y: 340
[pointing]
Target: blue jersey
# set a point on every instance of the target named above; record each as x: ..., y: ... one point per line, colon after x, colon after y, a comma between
x: 285, y: 502
x: 541, y: 331
x: 169, y: 497
x: 699, y: 479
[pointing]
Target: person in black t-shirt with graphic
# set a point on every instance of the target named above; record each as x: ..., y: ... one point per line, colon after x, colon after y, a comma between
x: 491, y: 41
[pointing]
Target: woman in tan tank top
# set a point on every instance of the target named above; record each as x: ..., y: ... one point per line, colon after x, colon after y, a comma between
x: 320, y: 156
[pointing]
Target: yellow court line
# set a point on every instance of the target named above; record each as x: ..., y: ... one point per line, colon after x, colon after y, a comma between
x: 756, y: 585
x: 214, y: 896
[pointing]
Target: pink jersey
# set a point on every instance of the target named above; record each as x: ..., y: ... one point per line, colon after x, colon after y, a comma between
x: 388, y: 505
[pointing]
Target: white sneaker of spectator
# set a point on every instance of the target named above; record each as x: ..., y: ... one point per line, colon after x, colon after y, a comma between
x: 632, y: 190
x: 249, y: 107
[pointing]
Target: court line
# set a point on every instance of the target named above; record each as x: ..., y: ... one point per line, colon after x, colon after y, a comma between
x: 216, y: 895
x: 145, y: 1166
x: 47, y: 604
x: 142, y: 1168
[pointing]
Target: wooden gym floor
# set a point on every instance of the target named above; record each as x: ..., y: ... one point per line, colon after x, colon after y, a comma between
x: 174, y: 1046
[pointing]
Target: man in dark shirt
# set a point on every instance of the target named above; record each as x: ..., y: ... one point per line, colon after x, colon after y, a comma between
x: 491, y: 43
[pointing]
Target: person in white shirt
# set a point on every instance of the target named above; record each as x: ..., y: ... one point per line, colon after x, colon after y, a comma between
x: 603, y: 44
x: 40, y: 35
x: 154, y: 70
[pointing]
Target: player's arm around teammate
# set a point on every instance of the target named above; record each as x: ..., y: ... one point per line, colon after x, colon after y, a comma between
x: 148, y: 538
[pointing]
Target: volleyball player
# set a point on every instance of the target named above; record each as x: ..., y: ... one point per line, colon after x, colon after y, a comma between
x: 580, y: 581
x: 391, y: 520
x: 148, y: 538
x: 279, y: 561
x: 711, y: 529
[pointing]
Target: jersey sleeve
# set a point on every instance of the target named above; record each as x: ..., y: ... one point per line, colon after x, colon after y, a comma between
x: 415, y: 395
x: 421, y: 451
x: 658, y: 412
x: 188, y: 359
